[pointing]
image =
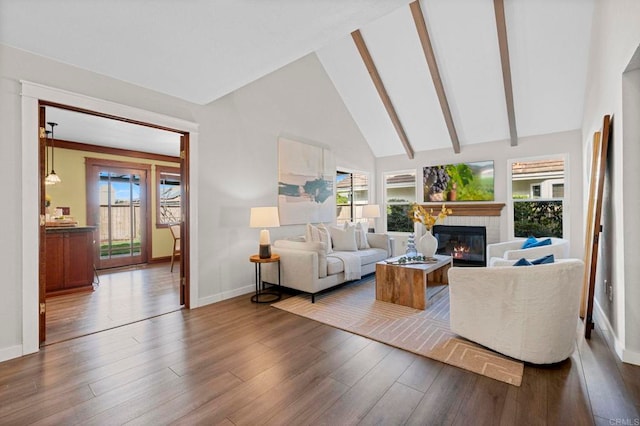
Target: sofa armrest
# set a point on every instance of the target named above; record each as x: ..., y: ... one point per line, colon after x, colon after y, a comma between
x: 296, y: 266
x: 560, y: 250
x: 381, y: 241
x: 315, y: 246
x: 499, y: 249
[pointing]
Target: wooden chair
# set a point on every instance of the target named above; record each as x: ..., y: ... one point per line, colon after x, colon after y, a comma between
x: 175, y: 233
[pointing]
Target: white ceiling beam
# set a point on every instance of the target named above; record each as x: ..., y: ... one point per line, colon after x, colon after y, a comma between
x: 501, y: 25
x: 382, y: 92
x: 425, y: 40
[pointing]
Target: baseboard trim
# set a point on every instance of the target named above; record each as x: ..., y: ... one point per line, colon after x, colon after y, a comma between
x: 10, y: 353
x: 161, y: 259
x: 625, y: 355
x: 219, y: 297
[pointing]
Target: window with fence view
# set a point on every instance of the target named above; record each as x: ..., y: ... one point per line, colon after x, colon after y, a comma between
x: 538, y: 197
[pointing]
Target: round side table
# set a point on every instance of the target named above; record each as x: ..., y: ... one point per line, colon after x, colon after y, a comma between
x: 271, y: 294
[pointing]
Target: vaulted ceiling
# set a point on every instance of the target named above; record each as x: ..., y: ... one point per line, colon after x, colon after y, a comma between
x: 547, y: 51
x: 437, y: 66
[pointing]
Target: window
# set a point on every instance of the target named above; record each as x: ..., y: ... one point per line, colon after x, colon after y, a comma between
x: 535, y: 191
x: 352, y: 192
x: 400, y: 192
x: 168, y: 195
x: 537, y: 188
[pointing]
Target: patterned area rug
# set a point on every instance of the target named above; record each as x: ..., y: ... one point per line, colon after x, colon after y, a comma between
x: 354, y: 308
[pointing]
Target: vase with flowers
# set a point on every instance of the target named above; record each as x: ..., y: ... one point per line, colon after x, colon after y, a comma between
x: 428, y: 244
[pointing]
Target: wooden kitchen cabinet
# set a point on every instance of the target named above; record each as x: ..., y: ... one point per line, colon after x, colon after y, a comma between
x: 69, y: 259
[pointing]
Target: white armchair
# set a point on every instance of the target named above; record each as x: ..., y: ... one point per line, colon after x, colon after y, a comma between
x: 513, y: 250
x: 526, y: 312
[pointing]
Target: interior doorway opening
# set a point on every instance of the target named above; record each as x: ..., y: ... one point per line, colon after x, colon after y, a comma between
x: 146, y: 287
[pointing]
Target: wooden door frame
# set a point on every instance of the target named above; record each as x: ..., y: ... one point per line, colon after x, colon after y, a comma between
x: 42, y: 263
x: 90, y: 163
x: 33, y: 96
x: 30, y: 95
x: 185, y: 229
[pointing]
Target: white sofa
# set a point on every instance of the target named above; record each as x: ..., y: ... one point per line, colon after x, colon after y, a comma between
x: 307, y: 267
x: 526, y: 312
x: 513, y: 250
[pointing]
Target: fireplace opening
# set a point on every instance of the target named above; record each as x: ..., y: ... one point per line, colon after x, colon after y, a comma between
x: 465, y: 244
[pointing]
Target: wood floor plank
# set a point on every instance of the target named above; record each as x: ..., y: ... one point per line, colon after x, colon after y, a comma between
x: 441, y: 403
x: 42, y: 405
x: 362, y: 363
x: 90, y: 408
x: 567, y: 394
x: 532, y: 397
x: 484, y: 403
x: 395, y: 406
x: 421, y: 374
x: 122, y: 297
x: 610, y: 397
x: 329, y: 341
x: 246, y: 363
x: 220, y: 408
x: 510, y: 410
x: 355, y: 404
x: 311, y: 404
x: 282, y: 395
x: 182, y: 394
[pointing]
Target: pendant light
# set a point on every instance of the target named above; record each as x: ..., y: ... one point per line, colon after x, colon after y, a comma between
x: 52, y: 178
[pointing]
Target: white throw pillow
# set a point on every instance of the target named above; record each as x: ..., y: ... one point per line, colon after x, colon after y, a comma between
x: 319, y: 234
x: 361, y: 235
x: 325, y: 237
x: 344, y: 239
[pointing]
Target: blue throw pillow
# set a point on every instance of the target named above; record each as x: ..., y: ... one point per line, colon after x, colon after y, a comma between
x: 522, y: 262
x: 545, y: 259
x: 541, y: 243
x: 527, y: 243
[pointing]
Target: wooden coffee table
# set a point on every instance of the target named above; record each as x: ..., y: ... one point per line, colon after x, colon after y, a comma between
x: 407, y: 284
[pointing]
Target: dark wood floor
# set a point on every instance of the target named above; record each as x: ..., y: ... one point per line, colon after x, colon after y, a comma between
x: 123, y: 296
x: 239, y: 363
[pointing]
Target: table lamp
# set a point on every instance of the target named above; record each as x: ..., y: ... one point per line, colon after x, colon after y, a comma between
x: 371, y: 211
x: 264, y: 217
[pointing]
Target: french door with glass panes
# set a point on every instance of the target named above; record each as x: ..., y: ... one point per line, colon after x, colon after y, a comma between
x: 117, y: 194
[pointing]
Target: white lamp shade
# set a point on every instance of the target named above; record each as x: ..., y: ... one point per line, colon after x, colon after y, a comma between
x: 371, y: 211
x: 264, y: 217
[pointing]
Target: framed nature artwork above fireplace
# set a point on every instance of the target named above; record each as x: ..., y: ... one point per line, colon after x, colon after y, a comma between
x: 458, y: 182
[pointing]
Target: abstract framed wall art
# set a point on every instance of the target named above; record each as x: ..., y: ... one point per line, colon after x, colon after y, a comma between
x: 458, y: 182
x: 306, y: 175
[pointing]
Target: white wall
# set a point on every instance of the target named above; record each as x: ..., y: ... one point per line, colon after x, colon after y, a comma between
x: 501, y: 152
x: 297, y: 101
x: 237, y: 162
x: 615, y: 39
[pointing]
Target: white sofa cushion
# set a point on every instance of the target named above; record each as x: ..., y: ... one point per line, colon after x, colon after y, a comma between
x: 319, y: 234
x: 361, y: 235
x: 367, y: 257
x: 343, y: 239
